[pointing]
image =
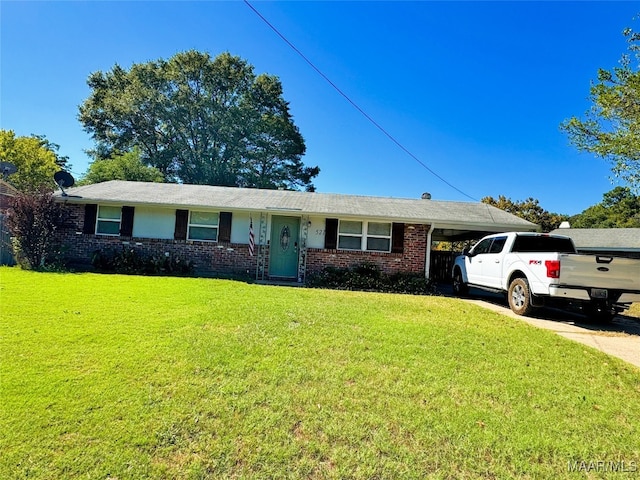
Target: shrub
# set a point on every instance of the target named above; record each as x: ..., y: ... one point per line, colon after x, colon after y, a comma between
x: 128, y: 260
x: 369, y: 277
x: 32, y: 221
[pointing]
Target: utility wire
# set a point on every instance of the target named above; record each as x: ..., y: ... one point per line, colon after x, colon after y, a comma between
x: 354, y: 104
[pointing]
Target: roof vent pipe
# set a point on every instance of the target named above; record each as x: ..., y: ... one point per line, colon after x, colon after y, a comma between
x: 426, y: 196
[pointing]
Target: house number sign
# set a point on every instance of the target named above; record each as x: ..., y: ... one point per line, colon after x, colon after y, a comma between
x: 285, y: 237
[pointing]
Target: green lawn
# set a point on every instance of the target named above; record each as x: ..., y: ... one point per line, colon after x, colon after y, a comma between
x: 124, y: 377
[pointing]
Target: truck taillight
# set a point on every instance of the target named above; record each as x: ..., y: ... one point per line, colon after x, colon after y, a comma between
x: 553, y: 268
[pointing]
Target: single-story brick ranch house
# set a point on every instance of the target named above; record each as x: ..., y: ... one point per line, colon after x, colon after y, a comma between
x: 295, y: 233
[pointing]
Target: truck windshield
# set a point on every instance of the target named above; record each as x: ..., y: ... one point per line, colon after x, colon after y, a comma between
x: 533, y: 243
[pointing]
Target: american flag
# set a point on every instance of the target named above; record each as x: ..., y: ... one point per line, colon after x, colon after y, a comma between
x: 252, y: 240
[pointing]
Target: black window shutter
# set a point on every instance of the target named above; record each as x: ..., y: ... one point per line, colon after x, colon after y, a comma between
x: 331, y: 233
x: 182, y: 220
x: 126, y: 225
x: 224, y: 227
x: 90, y: 215
x: 397, y: 238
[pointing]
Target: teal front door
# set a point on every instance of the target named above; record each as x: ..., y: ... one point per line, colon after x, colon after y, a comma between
x: 283, y: 256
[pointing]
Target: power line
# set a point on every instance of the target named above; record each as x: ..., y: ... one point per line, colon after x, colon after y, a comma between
x: 354, y: 104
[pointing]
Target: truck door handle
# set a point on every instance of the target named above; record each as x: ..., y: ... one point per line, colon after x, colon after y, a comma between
x: 497, y: 260
x: 600, y: 259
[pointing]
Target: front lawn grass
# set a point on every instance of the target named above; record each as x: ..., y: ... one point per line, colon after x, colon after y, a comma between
x: 109, y: 376
x: 634, y: 310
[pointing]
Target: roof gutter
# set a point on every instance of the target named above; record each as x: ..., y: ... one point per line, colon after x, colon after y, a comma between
x: 427, y: 261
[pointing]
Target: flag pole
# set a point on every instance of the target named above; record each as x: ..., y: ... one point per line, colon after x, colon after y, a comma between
x: 251, y: 236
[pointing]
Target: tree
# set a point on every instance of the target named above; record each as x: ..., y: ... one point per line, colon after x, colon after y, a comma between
x: 611, y: 129
x: 127, y: 166
x: 61, y: 160
x: 35, y: 158
x: 199, y: 120
x: 32, y: 220
x: 619, y: 208
x: 528, y: 209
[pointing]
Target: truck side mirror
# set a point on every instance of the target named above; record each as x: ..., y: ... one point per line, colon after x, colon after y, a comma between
x: 466, y: 252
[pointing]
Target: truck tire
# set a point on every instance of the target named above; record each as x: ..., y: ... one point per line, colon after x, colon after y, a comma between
x: 519, y: 296
x: 460, y: 289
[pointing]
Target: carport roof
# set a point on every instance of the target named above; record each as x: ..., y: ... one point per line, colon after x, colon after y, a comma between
x: 470, y: 215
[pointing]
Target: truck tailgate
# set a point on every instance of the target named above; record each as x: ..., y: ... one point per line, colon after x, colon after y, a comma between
x: 600, y: 271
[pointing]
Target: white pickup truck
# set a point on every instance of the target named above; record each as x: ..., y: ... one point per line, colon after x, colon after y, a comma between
x: 535, y: 269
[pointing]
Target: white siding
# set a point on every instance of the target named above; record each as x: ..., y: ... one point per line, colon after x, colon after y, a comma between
x: 153, y: 222
x: 240, y: 227
x: 315, y: 237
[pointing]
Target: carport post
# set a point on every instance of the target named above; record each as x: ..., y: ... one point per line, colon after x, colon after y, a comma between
x: 427, y: 259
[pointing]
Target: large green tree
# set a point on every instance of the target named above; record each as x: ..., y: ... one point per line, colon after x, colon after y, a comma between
x: 126, y: 166
x: 199, y: 120
x: 611, y: 127
x: 620, y: 208
x: 528, y: 209
x: 35, y: 158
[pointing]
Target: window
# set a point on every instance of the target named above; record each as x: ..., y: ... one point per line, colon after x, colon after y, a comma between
x: 498, y: 244
x: 108, y: 220
x: 377, y: 236
x: 350, y: 235
x: 203, y: 226
x: 542, y: 243
x: 482, y: 247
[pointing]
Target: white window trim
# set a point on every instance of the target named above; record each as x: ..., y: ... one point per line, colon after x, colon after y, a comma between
x: 112, y: 220
x: 200, y: 225
x: 364, y: 236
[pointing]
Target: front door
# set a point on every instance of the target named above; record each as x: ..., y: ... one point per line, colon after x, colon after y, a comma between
x: 283, y: 259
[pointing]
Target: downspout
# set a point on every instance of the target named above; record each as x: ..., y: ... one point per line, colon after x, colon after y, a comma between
x: 427, y: 260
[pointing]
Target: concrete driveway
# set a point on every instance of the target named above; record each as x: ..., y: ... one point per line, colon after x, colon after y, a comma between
x: 620, y: 338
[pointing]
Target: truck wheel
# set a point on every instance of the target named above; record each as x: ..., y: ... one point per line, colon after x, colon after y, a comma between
x: 519, y: 297
x: 460, y: 289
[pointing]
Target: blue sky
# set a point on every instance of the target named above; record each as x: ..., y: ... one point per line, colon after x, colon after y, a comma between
x: 475, y: 90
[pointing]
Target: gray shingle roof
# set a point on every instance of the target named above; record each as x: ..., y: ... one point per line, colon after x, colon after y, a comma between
x: 325, y: 204
x: 605, y: 238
